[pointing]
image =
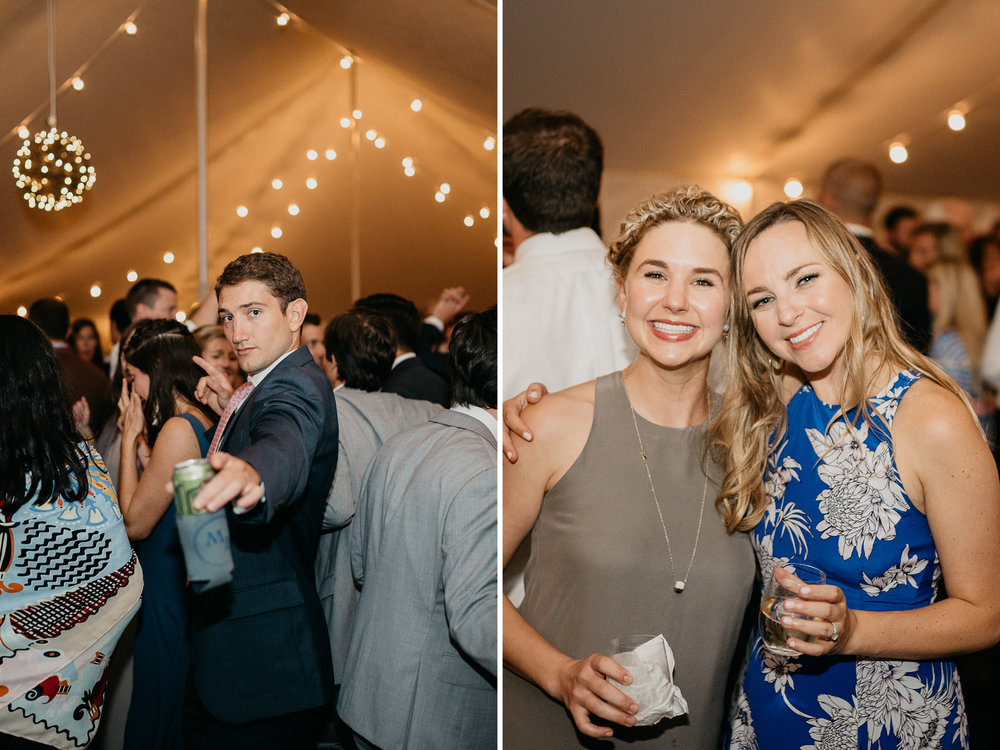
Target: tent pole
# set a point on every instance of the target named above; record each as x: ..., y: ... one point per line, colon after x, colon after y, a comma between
x: 355, y: 258
x: 201, y: 58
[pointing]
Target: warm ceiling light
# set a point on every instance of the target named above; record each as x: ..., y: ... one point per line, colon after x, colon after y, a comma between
x: 168, y: 257
x: 276, y: 183
x: 357, y: 114
x: 345, y: 122
x: 737, y: 191
x: 371, y: 134
x: 439, y: 197
x: 379, y: 142
x: 407, y: 161
x: 898, y: 153
x: 416, y: 105
x: 242, y: 211
x: 282, y: 19
x: 445, y: 188
x: 346, y: 62
x: 180, y: 316
x: 78, y: 83
x: 23, y: 132
x: 793, y: 189
x: 131, y: 28
x: 276, y: 232
x: 490, y: 143
x: 257, y: 249
x: 409, y: 171
x: 312, y: 154
x: 468, y: 221
x: 311, y: 183
x: 22, y: 311
x: 330, y: 154
x: 95, y: 290
x: 956, y: 120
x: 484, y: 212
x: 293, y: 209
x: 132, y: 276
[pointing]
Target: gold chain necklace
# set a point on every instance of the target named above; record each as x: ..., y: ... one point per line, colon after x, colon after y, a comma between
x: 678, y: 584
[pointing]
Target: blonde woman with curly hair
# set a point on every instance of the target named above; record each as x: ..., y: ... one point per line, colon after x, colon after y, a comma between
x: 616, y: 492
x: 850, y: 451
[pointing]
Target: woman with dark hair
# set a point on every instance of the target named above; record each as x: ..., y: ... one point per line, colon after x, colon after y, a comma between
x: 86, y: 342
x: 69, y: 581
x: 162, y: 424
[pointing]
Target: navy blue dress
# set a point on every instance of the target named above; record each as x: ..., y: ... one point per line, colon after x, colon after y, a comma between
x: 162, y: 642
x: 837, y: 503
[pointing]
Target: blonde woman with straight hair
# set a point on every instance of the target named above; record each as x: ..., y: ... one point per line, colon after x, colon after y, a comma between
x: 848, y: 450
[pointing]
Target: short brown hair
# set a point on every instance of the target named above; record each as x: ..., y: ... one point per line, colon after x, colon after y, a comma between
x: 274, y: 270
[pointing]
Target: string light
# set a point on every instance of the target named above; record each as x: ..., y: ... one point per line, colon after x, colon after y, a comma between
x: 409, y: 171
x: 793, y: 189
x: 379, y: 142
x: 484, y: 212
x: 55, y: 169
x: 257, y: 249
x: 180, y: 316
x: 330, y: 154
x: 490, y: 143
x: 311, y: 183
x: 242, y: 211
x: 445, y: 188
x: 371, y: 135
x: 77, y: 83
x: 130, y: 28
x: 407, y: 161
x: 346, y: 62
x: 357, y: 114
x: 276, y: 231
x: 312, y: 154
x: 95, y: 291
x: 956, y: 120
x: 439, y: 196
x: 898, y: 153
x: 23, y: 132
x: 22, y: 311
x: 132, y: 276
x: 293, y: 209
x: 345, y: 122
x: 276, y: 183
x: 282, y: 19
x: 168, y: 257
x: 416, y: 105
x: 468, y: 221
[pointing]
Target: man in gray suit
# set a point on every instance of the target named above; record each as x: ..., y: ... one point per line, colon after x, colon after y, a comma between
x: 422, y: 663
x: 360, y: 347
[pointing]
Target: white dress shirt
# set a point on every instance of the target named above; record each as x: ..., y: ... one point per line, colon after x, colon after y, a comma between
x: 560, y: 313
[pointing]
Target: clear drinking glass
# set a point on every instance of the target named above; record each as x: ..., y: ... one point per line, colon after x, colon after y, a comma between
x: 774, y: 635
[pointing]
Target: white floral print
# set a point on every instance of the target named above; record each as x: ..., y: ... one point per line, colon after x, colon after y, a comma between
x: 898, y: 575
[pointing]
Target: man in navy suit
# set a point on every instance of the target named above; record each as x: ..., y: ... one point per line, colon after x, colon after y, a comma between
x: 261, y: 672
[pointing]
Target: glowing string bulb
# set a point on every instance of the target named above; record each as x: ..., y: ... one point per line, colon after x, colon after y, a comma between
x: 793, y: 189
x: 312, y: 154
x: 78, y: 83
x: 898, y: 153
x: 23, y: 132
x: 293, y: 209
x: 22, y: 311
x: 257, y: 249
x: 490, y: 143
x: 330, y: 154
x: 345, y: 122
x: 242, y: 211
x: 357, y: 114
x: 276, y: 231
x: 371, y: 135
x: 956, y: 120
x: 180, y: 316
x: 409, y: 171
x: 168, y: 257
x: 131, y: 28
x: 346, y: 62
x: 95, y: 290
x: 282, y: 19
x: 416, y: 105
x: 445, y: 188
x: 277, y: 184
x: 439, y: 197
x: 484, y: 212
x: 379, y: 142
x: 407, y: 161
x: 311, y: 183
x: 468, y: 221
x: 132, y: 276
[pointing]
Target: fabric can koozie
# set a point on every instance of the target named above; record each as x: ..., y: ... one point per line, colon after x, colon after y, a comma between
x: 205, y: 541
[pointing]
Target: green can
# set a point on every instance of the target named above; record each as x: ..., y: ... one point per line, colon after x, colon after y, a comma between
x: 189, y: 477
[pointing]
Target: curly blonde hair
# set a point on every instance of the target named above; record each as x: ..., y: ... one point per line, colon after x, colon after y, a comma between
x: 752, y: 417
x: 689, y: 204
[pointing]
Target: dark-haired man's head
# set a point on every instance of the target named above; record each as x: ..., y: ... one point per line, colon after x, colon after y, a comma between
x: 552, y: 164
x: 472, y: 360
x: 119, y: 319
x: 262, y: 305
x: 901, y: 223
x: 151, y: 299
x: 403, y: 317
x: 52, y: 316
x: 312, y: 337
x: 361, y: 346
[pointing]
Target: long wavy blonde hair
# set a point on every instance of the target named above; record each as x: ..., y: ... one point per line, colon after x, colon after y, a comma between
x: 752, y: 417
x: 960, y: 306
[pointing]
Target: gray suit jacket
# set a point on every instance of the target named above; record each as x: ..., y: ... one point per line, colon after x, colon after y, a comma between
x: 366, y: 420
x: 421, y: 668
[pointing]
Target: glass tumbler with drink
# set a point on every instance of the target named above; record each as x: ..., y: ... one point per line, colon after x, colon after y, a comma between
x: 774, y: 634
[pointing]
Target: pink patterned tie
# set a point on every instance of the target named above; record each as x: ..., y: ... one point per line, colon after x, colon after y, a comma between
x: 234, y: 401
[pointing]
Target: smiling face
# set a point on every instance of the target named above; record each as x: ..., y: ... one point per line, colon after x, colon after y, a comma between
x: 220, y: 353
x: 800, y: 306
x: 675, y: 293
x: 255, y: 325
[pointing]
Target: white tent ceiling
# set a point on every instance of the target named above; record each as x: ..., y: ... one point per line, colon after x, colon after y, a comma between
x: 766, y: 90
x: 273, y: 93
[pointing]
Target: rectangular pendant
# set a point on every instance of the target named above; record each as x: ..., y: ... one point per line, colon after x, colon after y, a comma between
x: 678, y: 586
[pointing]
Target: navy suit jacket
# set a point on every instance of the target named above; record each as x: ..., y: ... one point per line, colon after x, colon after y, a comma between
x: 411, y: 379
x: 259, y: 646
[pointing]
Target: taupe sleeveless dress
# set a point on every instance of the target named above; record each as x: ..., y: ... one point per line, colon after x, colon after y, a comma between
x: 599, y: 569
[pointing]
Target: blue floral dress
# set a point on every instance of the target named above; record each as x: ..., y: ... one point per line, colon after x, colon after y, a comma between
x: 837, y: 504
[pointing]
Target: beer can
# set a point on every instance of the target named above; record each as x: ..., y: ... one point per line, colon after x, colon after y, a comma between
x: 189, y: 477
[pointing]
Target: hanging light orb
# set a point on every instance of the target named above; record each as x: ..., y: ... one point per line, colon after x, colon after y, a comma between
x: 53, y: 169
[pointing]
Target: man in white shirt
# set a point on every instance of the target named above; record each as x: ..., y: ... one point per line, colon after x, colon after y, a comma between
x: 560, y: 312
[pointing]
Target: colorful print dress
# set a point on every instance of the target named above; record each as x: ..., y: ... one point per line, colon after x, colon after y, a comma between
x: 837, y: 504
x: 69, y: 584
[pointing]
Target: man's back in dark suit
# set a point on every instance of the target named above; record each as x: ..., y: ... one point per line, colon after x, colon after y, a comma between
x: 411, y: 379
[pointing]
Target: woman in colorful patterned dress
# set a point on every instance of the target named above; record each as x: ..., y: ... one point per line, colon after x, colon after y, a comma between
x: 69, y: 581
x: 850, y: 451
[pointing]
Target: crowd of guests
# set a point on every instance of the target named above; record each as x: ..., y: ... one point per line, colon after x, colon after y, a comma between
x: 786, y: 389
x: 355, y: 464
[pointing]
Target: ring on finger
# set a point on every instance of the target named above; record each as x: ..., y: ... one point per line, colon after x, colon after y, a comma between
x: 835, y: 634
